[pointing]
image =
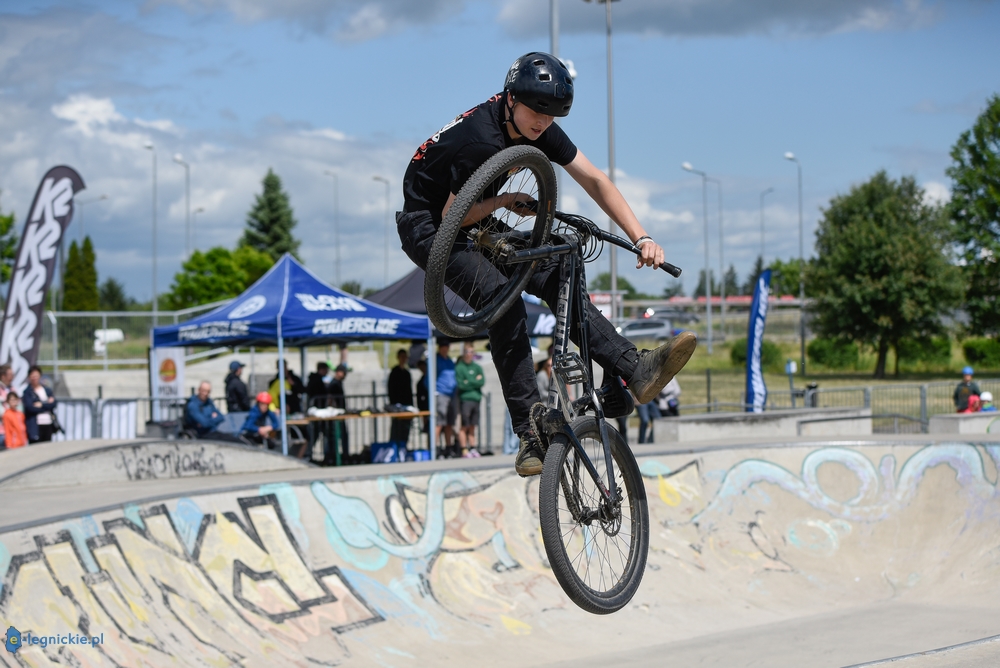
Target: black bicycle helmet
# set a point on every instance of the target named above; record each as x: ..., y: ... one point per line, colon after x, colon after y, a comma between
x: 542, y: 83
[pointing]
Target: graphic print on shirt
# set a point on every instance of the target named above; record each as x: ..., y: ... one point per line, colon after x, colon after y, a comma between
x: 422, y: 149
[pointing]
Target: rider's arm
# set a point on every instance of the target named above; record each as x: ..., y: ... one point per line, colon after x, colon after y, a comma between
x: 480, y: 210
x: 609, y: 198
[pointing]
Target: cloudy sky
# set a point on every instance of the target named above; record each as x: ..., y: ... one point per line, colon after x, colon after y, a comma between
x: 353, y: 86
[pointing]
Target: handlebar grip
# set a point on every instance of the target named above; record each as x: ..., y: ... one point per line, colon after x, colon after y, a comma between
x: 671, y: 269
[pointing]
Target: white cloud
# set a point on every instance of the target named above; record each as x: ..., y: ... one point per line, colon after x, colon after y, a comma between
x: 936, y: 193
x: 325, y: 133
x: 161, y: 125
x: 87, y: 113
x: 724, y: 17
x: 348, y: 20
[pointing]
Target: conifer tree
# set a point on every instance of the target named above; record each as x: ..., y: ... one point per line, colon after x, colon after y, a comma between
x: 80, y: 279
x: 271, y: 221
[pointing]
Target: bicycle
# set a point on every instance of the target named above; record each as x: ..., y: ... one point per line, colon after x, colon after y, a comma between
x: 592, y: 501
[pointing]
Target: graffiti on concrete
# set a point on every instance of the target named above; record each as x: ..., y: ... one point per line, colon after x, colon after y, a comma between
x: 312, y: 574
x: 151, y: 462
x: 242, y: 589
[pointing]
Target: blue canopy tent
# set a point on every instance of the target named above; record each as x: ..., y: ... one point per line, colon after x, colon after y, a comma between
x: 290, y: 306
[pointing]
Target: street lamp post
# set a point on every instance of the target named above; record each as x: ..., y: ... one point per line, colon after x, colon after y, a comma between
x: 802, y: 268
x: 385, y: 266
x: 187, y: 204
x: 82, y: 203
x: 62, y: 245
x: 722, y: 265
x: 336, y: 226
x: 152, y: 149
x: 708, y: 277
x: 194, y: 222
x: 762, y: 194
x: 613, y: 259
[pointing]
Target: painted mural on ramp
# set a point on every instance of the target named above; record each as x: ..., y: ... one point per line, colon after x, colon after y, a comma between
x: 447, y: 568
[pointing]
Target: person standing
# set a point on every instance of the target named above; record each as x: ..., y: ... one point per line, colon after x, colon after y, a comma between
x: 318, y: 387
x: 647, y: 413
x: 38, y: 408
x: 470, y: 380
x: 400, y: 391
x: 6, y: 378
x: 237, y: 397
x: 337, y: 398
x: 444, y: 393
x: 13, y: 422
x: 423, y: 395
x: 965, y: 389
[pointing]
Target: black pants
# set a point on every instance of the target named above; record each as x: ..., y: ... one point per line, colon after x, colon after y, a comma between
x: 44, y: 434
x: 509, y: 341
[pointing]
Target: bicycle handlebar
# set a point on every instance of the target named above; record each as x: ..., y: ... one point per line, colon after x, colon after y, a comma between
x: 621, y: 242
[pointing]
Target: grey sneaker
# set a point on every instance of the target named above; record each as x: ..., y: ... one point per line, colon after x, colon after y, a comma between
x: 657, y: 367
x: 529, y: 458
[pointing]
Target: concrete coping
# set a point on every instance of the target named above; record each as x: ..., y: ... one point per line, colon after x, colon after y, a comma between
x: 60, y: 464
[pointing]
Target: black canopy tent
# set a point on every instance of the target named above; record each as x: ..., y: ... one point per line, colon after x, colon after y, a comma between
x: 407, y: 294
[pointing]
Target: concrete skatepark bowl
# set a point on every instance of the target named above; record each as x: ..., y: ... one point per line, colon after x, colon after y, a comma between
x: 806, y: 552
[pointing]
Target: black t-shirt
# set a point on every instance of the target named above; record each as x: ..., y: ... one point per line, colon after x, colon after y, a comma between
x: 443, y: 163
x: 400, y: 386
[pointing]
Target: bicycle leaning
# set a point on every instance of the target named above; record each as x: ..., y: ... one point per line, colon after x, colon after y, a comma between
x: 592, y: 501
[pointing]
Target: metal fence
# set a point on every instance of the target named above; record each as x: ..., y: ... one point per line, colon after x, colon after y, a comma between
x: 84, y: 419
x: 104, y: 339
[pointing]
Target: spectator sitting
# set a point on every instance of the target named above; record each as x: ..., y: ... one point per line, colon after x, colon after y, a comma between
x: 201, y: 414
x: 974, y: 405
x: 38, y: 407
x: 965, y: 389
x: 13, y: 422
x: 237, y: 398
x: 256, y: 427
x: 986, y: 398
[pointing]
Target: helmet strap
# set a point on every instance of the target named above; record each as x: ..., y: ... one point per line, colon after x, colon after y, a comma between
x: 510, y: 114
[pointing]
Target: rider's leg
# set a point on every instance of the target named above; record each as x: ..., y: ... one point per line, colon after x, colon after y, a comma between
x: 645, y: 373
x: 509, y: 342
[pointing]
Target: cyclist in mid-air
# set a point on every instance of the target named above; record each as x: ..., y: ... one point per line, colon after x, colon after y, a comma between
x: 537, y: 89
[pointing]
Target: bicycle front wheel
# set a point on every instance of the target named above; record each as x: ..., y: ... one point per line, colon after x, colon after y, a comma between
x: 597, y: 552
x: 471, y: 280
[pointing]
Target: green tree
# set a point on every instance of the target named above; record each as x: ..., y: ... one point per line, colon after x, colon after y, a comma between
x: 731, y: 281
x: 8, y: 246
x: 80, y: 293
x: 602, y: 283
x: 206, y: 277
x: 753, y: 276
x: 252, y: 262
x: 882, y: 273
x: 215, y: 275
x: 975, y: 210
x: 785, y: 277
x: 699, y: 290
x: 271, y: 221
x: 675, y: 288
x: 351, y: 287
x: 112, y: 297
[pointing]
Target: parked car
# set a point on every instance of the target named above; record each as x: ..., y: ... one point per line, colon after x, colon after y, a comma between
x: 646, y: 329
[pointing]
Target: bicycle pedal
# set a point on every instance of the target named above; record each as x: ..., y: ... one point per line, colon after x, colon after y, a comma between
x: 570, y: 368
x: 547, y: 422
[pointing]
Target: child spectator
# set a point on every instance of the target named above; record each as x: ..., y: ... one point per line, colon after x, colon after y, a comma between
x: 15, y: 433
x: 986, y: 403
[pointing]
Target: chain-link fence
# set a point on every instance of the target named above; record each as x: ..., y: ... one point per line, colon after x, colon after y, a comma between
x: 104, y: 339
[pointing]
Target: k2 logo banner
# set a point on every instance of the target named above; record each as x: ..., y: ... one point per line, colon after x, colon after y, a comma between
x: 49, y: 216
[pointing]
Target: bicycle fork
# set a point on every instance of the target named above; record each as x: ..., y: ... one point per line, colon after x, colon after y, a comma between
x: 571, y: 369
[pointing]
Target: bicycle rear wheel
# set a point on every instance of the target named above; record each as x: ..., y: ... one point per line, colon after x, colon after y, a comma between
x: 598, y: 561
x: 470, y: 281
